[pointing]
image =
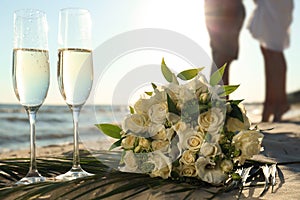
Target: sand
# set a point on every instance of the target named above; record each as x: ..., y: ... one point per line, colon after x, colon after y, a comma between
x: 281, y: 144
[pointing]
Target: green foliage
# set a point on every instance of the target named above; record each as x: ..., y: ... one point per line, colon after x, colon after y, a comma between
x: 216, y: 77
x: 189, y: 74
x: 228, y: 89
x: 116, y: 144
x: 153, y: 86
x: 166, y: 71
x: 236, y: 112
x: 110, y: 130
x: 149, y: 93
x: 131, y: 109
x: 171, y: 105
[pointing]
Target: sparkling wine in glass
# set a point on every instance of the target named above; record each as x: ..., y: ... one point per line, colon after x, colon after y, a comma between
x: 75, y: 72
x: 31, y: 73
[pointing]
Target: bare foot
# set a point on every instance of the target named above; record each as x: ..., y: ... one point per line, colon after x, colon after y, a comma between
x: 279, y: 111
x: 267, y: 112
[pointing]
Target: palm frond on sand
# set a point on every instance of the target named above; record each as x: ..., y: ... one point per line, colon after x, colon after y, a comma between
x: 109, y: 183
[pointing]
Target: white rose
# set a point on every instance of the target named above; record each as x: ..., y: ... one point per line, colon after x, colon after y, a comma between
x: 212, y: 120
x: 130, y: 162
x: 248, y: 142
x: 163, y: 165
x: 158, y: 113
x: 209, y: 172
x: 190, y: 139
x: 155, y: 130
x: 135, y: 124
x: 161, y: 145
x: 188, y: 170
x: 210, y: 149
x: 142, y: 106
x: 188, y: 157
x: 180, y: 126
x: 234, y: 124
x: 128, y: 142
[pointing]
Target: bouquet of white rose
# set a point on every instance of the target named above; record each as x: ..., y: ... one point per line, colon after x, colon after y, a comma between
x: 186, y: 130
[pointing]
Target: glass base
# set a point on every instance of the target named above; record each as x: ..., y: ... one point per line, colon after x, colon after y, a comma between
x: 74, y: 173
x: 31, y: 178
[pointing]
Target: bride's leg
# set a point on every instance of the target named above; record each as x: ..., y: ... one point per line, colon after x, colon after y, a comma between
x: 275, y: 73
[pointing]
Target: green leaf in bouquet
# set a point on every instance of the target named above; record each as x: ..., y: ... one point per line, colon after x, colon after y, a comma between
x: 171, y: 106
x: 166, y: 71
x: 236, y: 112
x: 110, y: 130
x: 131, y: 109
x: 235, y: 102
x: 154, y: 86
x: 149, y: 93
x: 116, y: 144
x: 228, y: 89
x: 189, y: 74
x: 216, y: 77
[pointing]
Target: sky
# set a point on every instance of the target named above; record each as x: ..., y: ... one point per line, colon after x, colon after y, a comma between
x: 113, y: 17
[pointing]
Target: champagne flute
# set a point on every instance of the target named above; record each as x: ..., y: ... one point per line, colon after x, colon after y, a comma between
x: 31, y: 73
x: 75, y: 72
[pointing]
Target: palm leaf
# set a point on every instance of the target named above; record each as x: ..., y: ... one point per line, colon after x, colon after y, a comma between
x: 108, y: 182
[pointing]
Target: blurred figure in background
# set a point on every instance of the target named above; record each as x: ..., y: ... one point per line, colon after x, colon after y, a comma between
x: 224, y: 20
x: 270, y: 25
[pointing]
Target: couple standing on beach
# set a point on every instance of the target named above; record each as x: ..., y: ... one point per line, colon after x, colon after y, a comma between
x: 269, y: 24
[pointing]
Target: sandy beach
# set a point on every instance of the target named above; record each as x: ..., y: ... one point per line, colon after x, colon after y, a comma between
x: 281, y: 144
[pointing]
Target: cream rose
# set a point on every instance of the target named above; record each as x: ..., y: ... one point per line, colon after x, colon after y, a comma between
x: 190, y: 139
x: 128, y: 142
x: 210, y: 149
x: 212, y: 120
x: 188, y: 170
x: 209, y: 172
x: 188, y: 157
x: 142, y: 106
x: 161, y: 145
x: 234, y: 124
x: 135, y: 124
x: 158, y: 113
x: 180, y: 127
x: 144, y: 143
x: 248, y: 142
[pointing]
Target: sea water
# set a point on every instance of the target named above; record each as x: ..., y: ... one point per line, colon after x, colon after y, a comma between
x: 54, y: 125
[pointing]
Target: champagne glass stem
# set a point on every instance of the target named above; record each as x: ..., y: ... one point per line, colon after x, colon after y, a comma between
x: 32, y: 119
x: 31, y: 112
x: 76, y: 159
